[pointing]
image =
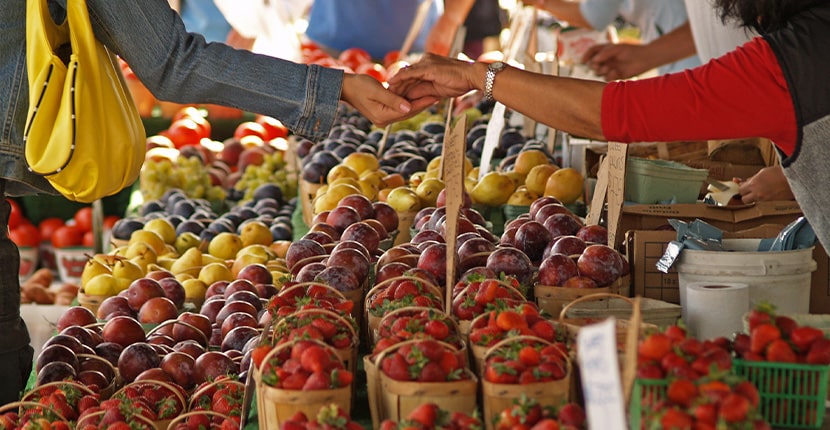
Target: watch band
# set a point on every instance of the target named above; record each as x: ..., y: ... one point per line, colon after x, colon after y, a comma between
x: 490, y: 79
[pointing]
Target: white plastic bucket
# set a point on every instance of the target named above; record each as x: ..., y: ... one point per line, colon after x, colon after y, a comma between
x: 778, y: 277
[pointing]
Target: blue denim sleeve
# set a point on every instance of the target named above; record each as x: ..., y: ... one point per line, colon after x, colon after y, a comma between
x: 182, y: 67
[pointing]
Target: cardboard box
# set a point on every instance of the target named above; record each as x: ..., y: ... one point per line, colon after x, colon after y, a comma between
x: 644, y: 248
x: 726, y: 218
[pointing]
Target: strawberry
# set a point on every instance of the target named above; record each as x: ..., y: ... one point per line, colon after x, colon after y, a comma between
x: 706, y: 413
x: 682, y: 392
x: 396, y: 367
x: 437, y: 329
x: 500, y: 373
x: 294, y: 381
x: 761, y: 336
x: 650, y: 371
x: 690, y: 347
x: 741, y: 344
x: 675, y: 419
x: 654, y: 347
x: 529, y: 356
x: 571, y: 414
x: 779, y: 351
x: 315, y: 359
x: 425, y: 414
x: 546, y: 424
x: 762, y: 314
x: 819, y: 352
x: 675, y: 333
x: 449, y: 363
x: 317, y: 381
x: 785, y: 324
x: 748, y: 390
x: 432, y: 372
x: 544, y: 329
x: 803, y: 337
x: 734, y: 408
x: 326, y: 327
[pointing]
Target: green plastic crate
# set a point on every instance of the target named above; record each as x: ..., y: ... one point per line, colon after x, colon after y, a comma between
x: 644, y: 394
x: 662, y: 181
x: 792, y: 395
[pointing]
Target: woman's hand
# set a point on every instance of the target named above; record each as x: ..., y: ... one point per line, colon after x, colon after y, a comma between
x: 436, y: 77
x: 378, y: 104
x: 768, y: 184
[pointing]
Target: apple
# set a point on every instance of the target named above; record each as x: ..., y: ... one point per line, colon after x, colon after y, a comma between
x: 76, y: 315
x: 560, y: 224
x: 238, y: 319
x: 55, y: 371
x: 197, y: 327
x: 216, y: 289
x: 511, y: 261
x: 328, y: 229
x: 343, y: 216
x: 189, y: 347
x: 114, y: 306
x: 593, y: 233
x: 340, y: 278
x: 303, y: 249
x: 141, y: 290
x: 363, y: 233
x: 161, y: 339
x: 157, y: 310
x: 154, y: 374
x: 532, y: 238
x: 433, y: 260
x: 179, y: 366
x: 83, y: 335
x: 237, y: 337
x: 541, y: 201
x: 239, y: 285
x: 210, y: 308
x: 353, y: 260
x: 580, y: 282
x: 173, y: 290
x: 309, y: 272
x: 123, y: 330
x: 56, y: 352
x: 246, y: 296
x: 211, y: 365
x: 72, y: 343
x: 386, y: 215
x: 601, y: 263
x: 235, y: 306
x: 109, y: 351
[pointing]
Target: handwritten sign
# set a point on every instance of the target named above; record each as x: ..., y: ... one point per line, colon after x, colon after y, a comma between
x: 617, y: 156
x: 453, y: 174
x: 491, y: 139
x: 599, y: 369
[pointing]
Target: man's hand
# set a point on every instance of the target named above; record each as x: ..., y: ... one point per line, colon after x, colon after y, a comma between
x: 768, y: 184
x: 613, y: 61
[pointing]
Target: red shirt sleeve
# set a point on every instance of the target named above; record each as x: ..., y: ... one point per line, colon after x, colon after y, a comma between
x: 741, y: 94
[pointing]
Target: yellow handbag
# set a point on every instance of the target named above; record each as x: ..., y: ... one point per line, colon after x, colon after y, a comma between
x: 83, y: 132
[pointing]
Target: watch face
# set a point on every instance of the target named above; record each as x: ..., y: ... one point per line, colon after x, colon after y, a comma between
x: 498, y: 65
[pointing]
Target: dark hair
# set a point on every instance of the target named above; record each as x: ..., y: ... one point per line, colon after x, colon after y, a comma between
x: 762, y: 15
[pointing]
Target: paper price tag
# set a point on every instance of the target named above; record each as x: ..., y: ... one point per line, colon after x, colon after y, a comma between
x: 491, y: 139
x: 453, y: 174
x: 599, y: 369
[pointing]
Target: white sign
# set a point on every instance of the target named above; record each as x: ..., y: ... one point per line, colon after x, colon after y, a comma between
x: 600, y: 371
x: 491, y: 138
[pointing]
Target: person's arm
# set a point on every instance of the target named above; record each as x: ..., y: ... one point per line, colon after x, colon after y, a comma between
x: 742, y: 94
x: 563, y: 10
x: 180, y: 66
x: 623, y: 60
x: 768, y: 184
x: 443, y: 32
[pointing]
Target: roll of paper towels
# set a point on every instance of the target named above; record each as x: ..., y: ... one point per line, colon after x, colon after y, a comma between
x: 715, y: 309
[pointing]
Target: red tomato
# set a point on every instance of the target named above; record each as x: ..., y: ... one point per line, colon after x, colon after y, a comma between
x: 88, y: 240
x: 110, y: 220
x: 48, y: 226
x: 16, y: 216
x: 354, y: 57
x: 273, y: 127
x: 250, y: 128
x: 66, y: 236
x: 83, y: 218
x: 390, y: 58
x: 25, y: 234
x: 374, y: 70
x: 192, y: 112
x: 184, y: 132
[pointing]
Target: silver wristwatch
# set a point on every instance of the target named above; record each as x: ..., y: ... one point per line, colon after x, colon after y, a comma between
x: 490, y: 78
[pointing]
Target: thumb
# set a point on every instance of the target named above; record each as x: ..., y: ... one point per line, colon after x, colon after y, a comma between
x: 393, y: 101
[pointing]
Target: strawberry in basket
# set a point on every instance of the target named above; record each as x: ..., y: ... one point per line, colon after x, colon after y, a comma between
x: 163, y: 400
x: 430, y: 416
x: 295, y: 297
x: 338, y: 331
x: 305, y: 365
x: 780, y: 339
x: 476, y: 295
x: 524, y: 319
x: 330, y: 417
x: 224, y: 395
x: 67, y: 398
x: 527, y: 413
x: 403, y: 292
x: 416, y: 323
x: 118, y: 412
x: 526, y: 362
x: 671, y: 353
x: 424, y: 361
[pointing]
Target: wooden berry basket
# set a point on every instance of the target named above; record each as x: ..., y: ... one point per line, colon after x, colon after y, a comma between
x: 347, y: 355
x: 552, y: 298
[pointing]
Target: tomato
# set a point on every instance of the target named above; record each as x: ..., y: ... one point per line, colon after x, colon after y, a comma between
x: 83, y: 218
x: 110, y: 221
x: 250, y: 128
x: 193, y: 113
x: 374, y: 70
x: 273, y: 127
x: 66, y: 236
x: 184, y: 132
x: 48, y: 226
x: 354, y: 57
x: 16, y: 216
x: 391, y: 57
x: 88, y: 240
x: 25, y: 234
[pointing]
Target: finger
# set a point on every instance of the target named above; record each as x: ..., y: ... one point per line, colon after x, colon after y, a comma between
x: 392, y: 101
x: 589, y: 55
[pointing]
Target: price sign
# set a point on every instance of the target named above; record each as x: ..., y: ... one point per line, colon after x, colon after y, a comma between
x: 453, y: 174
x: 599, y: 369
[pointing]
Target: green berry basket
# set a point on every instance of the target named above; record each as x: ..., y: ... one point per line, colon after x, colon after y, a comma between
x: 792, y: 395
x: 645, y: 394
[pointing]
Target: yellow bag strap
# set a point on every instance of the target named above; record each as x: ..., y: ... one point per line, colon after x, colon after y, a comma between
x: 42, y: 35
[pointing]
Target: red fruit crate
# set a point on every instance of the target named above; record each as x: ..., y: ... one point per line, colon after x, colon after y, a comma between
x: 645, y: 395
x: 792, y: 395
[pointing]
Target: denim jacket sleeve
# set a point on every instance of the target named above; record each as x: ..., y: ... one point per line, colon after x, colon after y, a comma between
x: 179, y: 66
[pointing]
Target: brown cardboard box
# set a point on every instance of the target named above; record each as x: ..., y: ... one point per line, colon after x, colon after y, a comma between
x: 726, y: 218
x: 644, y: 248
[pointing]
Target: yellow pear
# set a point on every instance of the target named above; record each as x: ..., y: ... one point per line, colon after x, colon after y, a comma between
x: 493, y: 189
x: 529, y: 159
x: 165, y: 229
x: 263, y: 252
x: 521, y: 197
x: 404, y: 199
x: 368, y: 189
x: 181, y: 277
x: 517, y: 178
x: 188, y: 262
x: 151, y: 238
x: 565, y: 184
x: 93, y: 268
x: 335, y: 193
x: 101, y: 285
x: 143, y: 250
x: 245, y: 260
x: 341, y: 171
x: 107, y: 259
x: 538, y: 176
x: 255, y: 232
x: 375, y: 177
x: 215, y: 272
x: 280, y: 248
x: 472, y: 173
x: 428, y: 191
x: 207, y: 259
x: 416, y: 178
x: 194, y: 289
x: 434, y: 164
x: 361, y: 162
x: 186, y: 241
x: 225, y: 245
x: 435, y: 173
x: 127, y: 269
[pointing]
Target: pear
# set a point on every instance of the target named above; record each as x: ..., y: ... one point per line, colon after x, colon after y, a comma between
x: 165, y: 229
x: 244, y: 260
x: 494, y: 189
x: 215, y: 272
x: 166, y: 263
x: 428, y: 191
x: 103, y: 284
x: 537, y: 177
x: 255, y: 232
x: 188, y: 262
x: 225, y: 245
x: 107, y: 259
x: 527, y: 160
x: 341, y: 171
x: 93, y: 268
x: 142, y: 249
x: 181, y: 277
x: 207, y: 259
x: 522, y: 197
x: 361, y: 162
x: 127, y: 269
x: 186, y: 241
x: 262, y: 251
x: 194, y: 289
x: 151, y: 238
x: 404, y: 199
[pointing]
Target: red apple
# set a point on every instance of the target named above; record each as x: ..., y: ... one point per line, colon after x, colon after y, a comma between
x: 556, y: 269
x: 601, y: 263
